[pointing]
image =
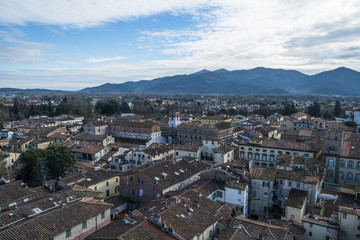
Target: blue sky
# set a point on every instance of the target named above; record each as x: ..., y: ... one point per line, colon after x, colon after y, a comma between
x: 74, y: 44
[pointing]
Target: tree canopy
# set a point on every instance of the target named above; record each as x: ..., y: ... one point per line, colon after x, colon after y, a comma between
x: 44, y: 164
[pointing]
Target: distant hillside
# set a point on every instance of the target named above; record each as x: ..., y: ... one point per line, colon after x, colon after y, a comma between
x: 35, y: 91
x: 340, y: 81
x: 260, y: 80
x: 253, y: 81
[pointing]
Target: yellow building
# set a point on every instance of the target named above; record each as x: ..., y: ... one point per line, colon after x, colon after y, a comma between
x: 295, y: 205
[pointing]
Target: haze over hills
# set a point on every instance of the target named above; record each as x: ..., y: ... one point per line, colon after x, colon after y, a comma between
x: 340, y: 81
x: 260, y: 80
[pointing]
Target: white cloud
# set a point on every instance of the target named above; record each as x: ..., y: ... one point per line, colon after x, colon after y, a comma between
x: 305, y: 35
x: 86, y: 13
x: 104, y: 59
x: 309, y: 36
x: 14, y: 50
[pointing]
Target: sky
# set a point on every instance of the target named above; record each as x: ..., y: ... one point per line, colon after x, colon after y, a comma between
x: 73, y: 44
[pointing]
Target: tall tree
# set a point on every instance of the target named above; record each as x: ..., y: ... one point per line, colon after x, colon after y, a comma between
x: 59, y: 160
x: 89, y: 109
x: 337, y: 109
x: 315, y: 109
x: 16, y: 108
x: 29, y: 160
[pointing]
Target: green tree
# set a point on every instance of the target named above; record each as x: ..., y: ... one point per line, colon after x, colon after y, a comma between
x: 29, y: 160
x: 59, y: 160
x: 314, y: 109
x: 232, y: 112
x: 124, y: 108
x: 41, y: 172
x: 89, y: 109
x: 16, y: 108
x: 290, y: 109
x: 337, y: 109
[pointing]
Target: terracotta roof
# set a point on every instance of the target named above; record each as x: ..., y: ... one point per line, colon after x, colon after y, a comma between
x: 52, y: 223
x: 127, y: 123
x: 168, y: 173
x: 189, y: 147
x: 236, y: 185
x: 223, y: 148
x: 263, y: 173
x: 257, y: 229
x: 296, y: 198
x: 96, y: 176
x: 89, y: 137
x: 157, y: 148
x: 87, y: 148
x: 13, y: 191
x: 204, y: 126
x: 146, y: 231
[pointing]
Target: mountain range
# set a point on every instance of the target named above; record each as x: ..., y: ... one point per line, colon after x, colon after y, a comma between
x: 260, y: 80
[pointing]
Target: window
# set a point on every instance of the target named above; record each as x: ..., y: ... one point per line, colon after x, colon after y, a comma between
x: 298, y: 185
x: 344, y: 216
x: 349, y: 176
x: 281, y: 181
x: 350, y: 164
x: 342, y: 163
x: 117, y: 179
x: 357, y: 178
x: 311, y: 225
x: 358, y: 165
x: 290, y: 183
x: 103, y: 215
x: 84, y: 224
x: 331, y: 162
x: 272, y: 158
x: 249, y: 155
x: 265, y: 209
x: 341, y: 175
x: 264, y: 157
x: 310, y: 234
x: 107, y: 183
x: 265, y: 194
x: 327, y: 238
x: 254, y: 194
x: 330, y: 174
x: 68, y: 233
x: 257, y: 156
x: 131, y: 178
x: 95, y: 188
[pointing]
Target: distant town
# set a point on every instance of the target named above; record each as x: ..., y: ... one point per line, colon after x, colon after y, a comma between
x: 153, y: 166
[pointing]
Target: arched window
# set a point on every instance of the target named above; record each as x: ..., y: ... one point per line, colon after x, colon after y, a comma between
x: 341, y: 175
x: 257, y: 156
x: 271, y: 165
x: 342, y: 163
x: 357, y: 178
x: 358, y: 165
x: 264, y: 157
x: 331, y: 162
x: 349, y: 176
x: 249, y: 155
x: 330, y: 174
x: 350, y: 164
x: 272, y: 157
x: 263, y: 164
